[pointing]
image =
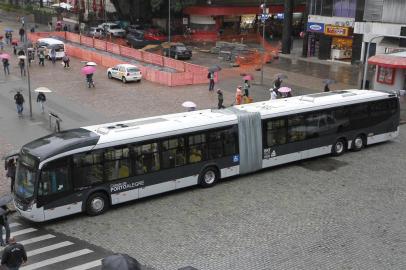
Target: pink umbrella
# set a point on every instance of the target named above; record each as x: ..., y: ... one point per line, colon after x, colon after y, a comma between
x: 248, y: 77
x: 284, y: 90
x: 4, y: 56
x: 88, y: 70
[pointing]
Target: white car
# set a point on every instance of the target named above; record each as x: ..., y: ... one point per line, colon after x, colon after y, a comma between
x: 125, y: 73
x: 113, y: 29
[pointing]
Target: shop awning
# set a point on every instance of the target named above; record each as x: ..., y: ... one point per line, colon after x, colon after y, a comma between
x: 220, y: 10
x: 397, y: 60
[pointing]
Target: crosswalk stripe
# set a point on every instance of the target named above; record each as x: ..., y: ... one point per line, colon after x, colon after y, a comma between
x: 48, y: 248
x: 36, y: 239
x: 14, y: 224
x: 57, y: 259
x: 22, y: 232
x: 86, y: 266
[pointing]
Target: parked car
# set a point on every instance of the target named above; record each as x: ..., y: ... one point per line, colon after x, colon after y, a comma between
x: 125, y: 73
x: 177, y: 51
x: 135, y: 29
x: 136, y: 40
x: 113, y: 29
x: 96, y: 32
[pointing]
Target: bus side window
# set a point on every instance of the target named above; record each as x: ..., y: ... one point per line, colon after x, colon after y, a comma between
x: 173, y: 153
x: 117, y: 163
x: 87, y: 168
x: 276, y: 132
x: 54, y: 178
x: 146, y: 158
x: 197, y: 148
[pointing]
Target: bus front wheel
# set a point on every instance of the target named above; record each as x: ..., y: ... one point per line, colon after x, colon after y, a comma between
x: 97, y: 204
x: 208, y: 177
x: 339, y: 147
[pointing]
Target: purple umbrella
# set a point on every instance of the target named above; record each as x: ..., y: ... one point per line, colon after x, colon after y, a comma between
x: 88, y: 70
x: 4, y: 56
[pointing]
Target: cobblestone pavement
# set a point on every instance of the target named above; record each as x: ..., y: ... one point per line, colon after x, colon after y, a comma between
x: 326, y: 213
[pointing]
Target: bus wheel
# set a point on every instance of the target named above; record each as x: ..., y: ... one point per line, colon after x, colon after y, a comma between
x: 358, y: 143
x: 208, y: 177
x: 338, y: 147
x: 97, y: 204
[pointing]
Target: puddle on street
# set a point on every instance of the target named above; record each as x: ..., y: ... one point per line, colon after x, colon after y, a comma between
x: 322, y: 164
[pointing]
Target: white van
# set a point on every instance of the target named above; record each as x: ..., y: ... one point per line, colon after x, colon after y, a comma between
x: 50, y: 43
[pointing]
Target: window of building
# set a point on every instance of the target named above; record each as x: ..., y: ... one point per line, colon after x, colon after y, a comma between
x: 173, y: 153
x: 117, y: 163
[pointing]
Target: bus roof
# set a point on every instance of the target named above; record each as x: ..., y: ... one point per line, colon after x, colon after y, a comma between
x: 172, y: 124
x: 51, y: 41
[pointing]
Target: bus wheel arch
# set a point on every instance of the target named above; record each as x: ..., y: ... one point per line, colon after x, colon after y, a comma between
x: 339, y: 146
x: 359, y: 142
x: 97, y: 203
x: 209, y: 176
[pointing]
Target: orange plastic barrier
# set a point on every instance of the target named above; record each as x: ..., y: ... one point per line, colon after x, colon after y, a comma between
x: 87, y: 41
x: 100, y: 44
x: 175, y: 64
x: 183, y: 78
x: 113, y: 48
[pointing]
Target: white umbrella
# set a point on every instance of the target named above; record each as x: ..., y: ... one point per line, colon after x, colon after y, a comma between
x: 189, y: 104
x: 91, y: 64
x: 22, y: 57
x: 43, y: 90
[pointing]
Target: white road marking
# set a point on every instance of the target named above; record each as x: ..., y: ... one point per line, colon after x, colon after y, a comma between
x: 14, y: 224
x: 57, y: 259
x: 48, y: 248
x: 22, y: 232
x: 36, y: 239
x: 86, y: 265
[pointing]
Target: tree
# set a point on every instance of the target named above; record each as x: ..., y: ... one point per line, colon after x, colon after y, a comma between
x: 287, y: 27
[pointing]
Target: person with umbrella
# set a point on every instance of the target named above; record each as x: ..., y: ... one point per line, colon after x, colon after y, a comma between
x: 220, y: 99
x: 88, y: 72
x: 21, y: 64
x: 9, y: 36
x: 210, y: 76
x: 120, y: 261
x: 14, y: 255
x: 66, y: 60
x: 4, y: 59
x: 53, y: 55
x: 19, y: 100
x: 21, y: 32
x: 190, y: 105
x: 41, y: 98
x: 327, y: 82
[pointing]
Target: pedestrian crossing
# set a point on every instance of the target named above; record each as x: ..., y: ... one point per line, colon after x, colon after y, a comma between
x: 50, y: 251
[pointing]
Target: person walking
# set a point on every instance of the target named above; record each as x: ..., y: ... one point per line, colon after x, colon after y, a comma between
x: 246, y: 88
x: 41, y: 98
x: 19, y: 100
x: 21, y: 32
x: 274, y: 95
x: 66, y: 60
x: 65, y: 28
x: 21, y: 64
x: 14, y: 255
x: 89, y: 79
x: 41, y: 57
x: 4, y: 223
x: 53, y: 55
x: 8, y: 37
x: 276, y: 85
x: 220, y: 99
x: 11, y: 172
x: 238, y: 96
x: 6, y: 66
x: 326, y: 88
x: 210, y: 76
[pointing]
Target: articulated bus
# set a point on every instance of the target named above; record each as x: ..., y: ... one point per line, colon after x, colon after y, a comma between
x: 91, y: 168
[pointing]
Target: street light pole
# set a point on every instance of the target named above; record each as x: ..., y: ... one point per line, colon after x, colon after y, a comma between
x: 364, y: 79
x: 27, y: 68
x: 169, y: 21
x: 263, y: 6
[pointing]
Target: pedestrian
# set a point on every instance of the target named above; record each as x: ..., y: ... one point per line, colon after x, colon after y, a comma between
x: 41, y: 98
x: 19, y: 99
x: 89, y: 79
x: 66, y: 60
x: 11, y: 172
x: 30, y: 54
x: 274, y: 95
x: 5, y: 66
x: 21, y: 33
x: 1, y: 43
x: 20, y: 52
x: 21, y: 64
x: 8, y: 37
x: 41, y: 57
x: 50, y: 26
x: 238, y: 96
x: 53, y: 55
x: 210, y: 76
x: 15, y: 48
x: 4, y: 223
x: 277, y: 84
x: 220, y: 98
x: 23, y: 21
x: 65, y: 28
x: 32, y: 30
x: 246, y: 88
x: 14, y: 255
x: 326, y: 88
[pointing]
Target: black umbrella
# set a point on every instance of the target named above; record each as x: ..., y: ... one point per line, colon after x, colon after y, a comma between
x: 281, y: 76
x: 120, y: 262
x: 214, y: 68
x: 5, y: 199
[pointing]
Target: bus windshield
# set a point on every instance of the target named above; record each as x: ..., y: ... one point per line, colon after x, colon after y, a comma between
x: 25, y: 181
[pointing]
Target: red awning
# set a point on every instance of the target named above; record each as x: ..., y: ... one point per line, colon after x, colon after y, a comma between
x: 218, y: 11
x: 389, y: 61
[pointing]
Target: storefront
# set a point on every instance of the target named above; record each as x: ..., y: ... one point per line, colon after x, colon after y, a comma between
x: 341, y: 44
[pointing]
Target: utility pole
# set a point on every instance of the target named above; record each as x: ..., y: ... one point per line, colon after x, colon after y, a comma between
x: 27, y: 60
x: 169, y: 21
x: 263, y: 20
x: 287, y: 27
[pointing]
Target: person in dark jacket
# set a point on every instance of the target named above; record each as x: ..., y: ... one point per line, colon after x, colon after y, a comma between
x: 19, y: 99
x: 326, y: 88
x: 14, y: 255
x: 21, y: 64
x: 4, y: 223
x: 220, y: 98
x: 22, y: 33
x: 6, y: 66
x: 11, y: 172
x: 210, y: 76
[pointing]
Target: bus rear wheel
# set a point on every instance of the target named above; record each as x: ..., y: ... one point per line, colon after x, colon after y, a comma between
x: 208, y: 177
x: 339, y: 147
x: 97, y: 204
x: 358, y: 143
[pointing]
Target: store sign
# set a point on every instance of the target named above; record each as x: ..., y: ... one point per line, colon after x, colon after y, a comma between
x: 332, y: 30
x: 315, y: 27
